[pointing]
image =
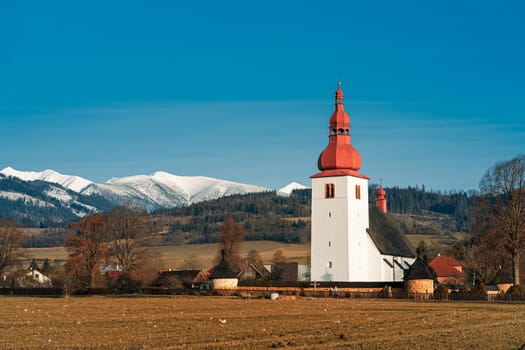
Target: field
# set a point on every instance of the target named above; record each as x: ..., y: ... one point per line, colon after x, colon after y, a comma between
x: 174, y: 256
x: 234, y: 323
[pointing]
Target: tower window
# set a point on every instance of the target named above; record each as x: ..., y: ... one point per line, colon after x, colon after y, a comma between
x: 329, y: 191
x: 357, y: 192
x: 329, y: 243
x: 329, y: 264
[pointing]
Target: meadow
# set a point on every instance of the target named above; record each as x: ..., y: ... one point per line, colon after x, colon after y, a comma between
x: 174, y: 256
x: 185, y: 322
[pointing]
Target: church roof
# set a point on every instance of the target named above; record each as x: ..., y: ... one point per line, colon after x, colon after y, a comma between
x: 222, y: 269
x: 387, y: 235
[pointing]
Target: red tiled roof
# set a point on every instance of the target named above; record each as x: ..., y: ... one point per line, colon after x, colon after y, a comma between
x: 445, y: 266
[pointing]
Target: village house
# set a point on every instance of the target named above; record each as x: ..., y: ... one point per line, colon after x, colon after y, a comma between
x: 250, y: 272
x: 449, y: 271
x: 26, y: 279
x: 181, y: 279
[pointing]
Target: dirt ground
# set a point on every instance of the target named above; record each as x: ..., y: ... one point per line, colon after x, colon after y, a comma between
x: 232, y: 323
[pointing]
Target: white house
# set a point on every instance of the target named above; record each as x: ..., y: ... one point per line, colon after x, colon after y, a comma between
x: 38, y: 277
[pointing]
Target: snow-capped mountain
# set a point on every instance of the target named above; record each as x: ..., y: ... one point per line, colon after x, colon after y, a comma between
x: 287, y: 190
x: 40, y: 202
x: 161, y: 190
x: 71, y: 182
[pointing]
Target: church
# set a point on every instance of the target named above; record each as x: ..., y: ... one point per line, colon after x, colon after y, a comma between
x: 351, y: 241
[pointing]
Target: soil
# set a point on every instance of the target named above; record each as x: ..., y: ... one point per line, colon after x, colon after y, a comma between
x: 183, y: 322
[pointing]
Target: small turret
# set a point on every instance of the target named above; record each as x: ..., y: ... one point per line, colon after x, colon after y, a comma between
x: 381, y: 200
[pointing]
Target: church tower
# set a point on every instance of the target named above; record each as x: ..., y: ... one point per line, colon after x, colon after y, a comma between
x: 340, y: 243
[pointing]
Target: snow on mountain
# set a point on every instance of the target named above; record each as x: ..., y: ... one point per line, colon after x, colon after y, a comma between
x: 162, y: 189
x: 82, y: 197
x: 40, y: 202
x: 15, y: 196
x: 74, y: 183
x: 287, y: 190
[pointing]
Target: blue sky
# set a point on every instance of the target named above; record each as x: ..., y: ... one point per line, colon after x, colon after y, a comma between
x: 243, y: 90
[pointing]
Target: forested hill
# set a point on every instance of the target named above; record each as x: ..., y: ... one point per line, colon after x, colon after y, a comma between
x: 265, y: 216
x: 270, y: 216
x: 416, y: 201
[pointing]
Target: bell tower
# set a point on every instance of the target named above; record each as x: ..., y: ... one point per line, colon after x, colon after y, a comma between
x: 339, y: 242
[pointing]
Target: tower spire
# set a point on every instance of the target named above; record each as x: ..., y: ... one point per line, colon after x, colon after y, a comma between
x: 339, y: 155
x: 339, y: 95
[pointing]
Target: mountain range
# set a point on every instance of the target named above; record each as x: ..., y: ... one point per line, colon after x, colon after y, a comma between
x: 49, y: 198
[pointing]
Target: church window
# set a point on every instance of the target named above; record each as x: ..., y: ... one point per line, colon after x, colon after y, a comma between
x: 334, y: 131
x: 341, y: 131
x: 357, y: 192
x: 329, y: 191
x: 329, y: 243
x: 330, y: 214
x: 329, y: 264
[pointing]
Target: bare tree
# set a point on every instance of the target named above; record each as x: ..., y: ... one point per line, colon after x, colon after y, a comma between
x: 230, y: 238
x: 11, y: 241
x: 501, y: 214
x: 254, y: 258
x: 86, y: 250
x: 130, y: 236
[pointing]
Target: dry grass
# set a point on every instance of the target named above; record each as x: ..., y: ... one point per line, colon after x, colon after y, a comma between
x: 174, y: 256
x: 195, y: 323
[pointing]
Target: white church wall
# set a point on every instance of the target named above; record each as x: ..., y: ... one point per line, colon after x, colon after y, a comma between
x: 375, y: 263
x: 357, y: 226
x: 329, y: 254
x: 339, y: 239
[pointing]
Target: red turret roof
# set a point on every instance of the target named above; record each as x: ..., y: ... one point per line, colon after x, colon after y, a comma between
x: 381, y: 200
x: 339, y: 158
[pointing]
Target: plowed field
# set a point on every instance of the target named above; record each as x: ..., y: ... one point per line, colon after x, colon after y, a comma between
x: 234, y: 323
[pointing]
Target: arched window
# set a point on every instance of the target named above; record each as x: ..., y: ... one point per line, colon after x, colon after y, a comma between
x: 341, y: 131
x: 357, y: 192
x: 329, y: 190
x: 334, y: 131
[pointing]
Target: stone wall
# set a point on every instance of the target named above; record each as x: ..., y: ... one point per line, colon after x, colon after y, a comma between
x: 414, y: 287
x: 224, y: 283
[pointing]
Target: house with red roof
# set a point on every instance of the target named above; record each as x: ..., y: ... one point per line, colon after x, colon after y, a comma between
x: 448, y: 270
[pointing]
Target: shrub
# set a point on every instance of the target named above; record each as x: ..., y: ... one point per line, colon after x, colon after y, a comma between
x: 441, y: 293
x: 515, y: 290
x: 386, y: 292
x: 479, y: 292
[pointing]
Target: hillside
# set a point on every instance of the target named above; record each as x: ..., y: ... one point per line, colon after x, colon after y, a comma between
x: 40, y: 203
x: 268, y: 216
x: 50, y: 199
x: 265, y: 216
x: 435, y: 217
